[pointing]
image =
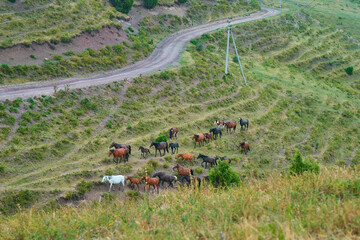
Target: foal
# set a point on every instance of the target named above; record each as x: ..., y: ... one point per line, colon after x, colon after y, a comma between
x: 183, y: 171
x: 150, y: 182
x: 134, y: 181
x: 144, y: 151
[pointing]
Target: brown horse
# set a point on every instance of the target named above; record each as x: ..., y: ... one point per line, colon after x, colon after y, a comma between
x: 230, y: 125
x: 150, y: 182
x: 208, y: 136
x: 186, y: 156
x: 199, y: 138
x: 120, y: 153
x: 173, y: 132
x: 220, y: 123
x: 144, y: 151
x: 134, y: 181
x: 244, y: 147
x: 183, y: 171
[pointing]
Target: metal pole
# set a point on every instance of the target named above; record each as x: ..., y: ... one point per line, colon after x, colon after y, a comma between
x: 227, y: 47
x: 237, y: 55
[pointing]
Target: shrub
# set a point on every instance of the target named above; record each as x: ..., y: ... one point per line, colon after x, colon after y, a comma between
x: 199, y: 170
x: 153, y: 163
x: 298, y: 166
x: 235, y: 59
x: 123, y: 6
x: 182, y: 1
x: 199, y: 47
x: 168, y: 159
x: 150, y: 3
x: 32, y: 56
x: 349, y: 70
x: 2, y: 169
x: 133, y: 195
x: 165, y: 165
x: 12, y: 1
x: 11, y: 200
x: 161, y: 138
x: 223, y: 175
x: 84, y: 187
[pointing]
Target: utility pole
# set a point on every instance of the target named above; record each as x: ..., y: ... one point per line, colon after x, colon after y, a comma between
x: 227, y: 51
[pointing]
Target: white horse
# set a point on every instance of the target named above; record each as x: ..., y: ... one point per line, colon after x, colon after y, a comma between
x: 116, y: 179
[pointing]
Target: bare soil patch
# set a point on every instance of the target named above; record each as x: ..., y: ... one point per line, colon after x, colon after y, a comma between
x: 20, y: 54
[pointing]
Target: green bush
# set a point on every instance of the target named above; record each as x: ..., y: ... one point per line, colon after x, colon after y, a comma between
x: 123, y: 6
x: 150, y: 3
x: 168, y: 159
x: 165, y: 165
x: 182, y: 1
x: 161, y: 138
x: 12, y: 1
x: 2, y: 169
x: 32, y: 56
x: 83, y: 187
x: 235, y: 59
x: 11, y: 200
x: 298, y: 166
x: 223, y: 175
x: 199, y: 170
x: 153, y: 163
x: 349, y: 70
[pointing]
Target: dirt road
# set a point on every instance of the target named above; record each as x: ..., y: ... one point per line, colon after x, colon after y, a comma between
x: 166, y: 54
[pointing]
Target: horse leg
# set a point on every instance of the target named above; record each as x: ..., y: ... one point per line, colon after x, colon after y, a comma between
x: 110, y: 187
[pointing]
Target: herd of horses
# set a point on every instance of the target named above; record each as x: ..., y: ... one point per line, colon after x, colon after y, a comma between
x: 122, y: 151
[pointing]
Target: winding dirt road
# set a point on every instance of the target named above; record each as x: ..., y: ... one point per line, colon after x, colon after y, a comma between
x: 166, y: 54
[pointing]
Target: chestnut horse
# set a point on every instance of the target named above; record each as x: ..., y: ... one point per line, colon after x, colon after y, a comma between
x: 220, y: 123
x: 173, y: 132
x: 150, y: 182
x: 208, y: 136
x: 230, y: 125
x: 186, y: 156
x: 183, y: 171
x: 134, y: 180
x: 244, y: 147
x: 120, y: 153
x: 117, y: 145
x: 200, y: 138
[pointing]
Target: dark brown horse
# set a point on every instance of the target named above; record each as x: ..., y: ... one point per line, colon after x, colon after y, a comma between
x: 144, y: 151
x: 244, y: 147
x: 150, y: 182
x: 230, y: 125
x: 186, y: 156
x: 160, y: 146
x: 183, y: 171
x: 120, y: 153
x: 173, y: 132
x: 199, y: 138
x: 208, y: 136
x: 134, y: 180
x: 117, y: 145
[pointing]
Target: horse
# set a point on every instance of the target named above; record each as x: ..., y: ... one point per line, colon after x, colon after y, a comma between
x: 159, y: 146
x: 173, y: 132
x: 244, y: 122
x: 115, y: 179
x: 188, y: 179
x: 183, y: 171
x: 120, y: 153
x: 230, y: 125
x: 224, y: 159
x: 174, y: 147
x: 164, y: 177
x: 206, y: 160
x: 186, y: 156
x: 220, y: 123
x: 116, y: 146
x: 144, y: 151
x: 199, y: 138
x: 150, y: 182
x: 244, y: 146
x: 134, y: 180
x: 215, y: 132
x: 208, y: 136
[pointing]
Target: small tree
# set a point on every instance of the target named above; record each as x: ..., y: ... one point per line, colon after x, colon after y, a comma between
x: 299, y: 166
x: 150, y: 3
x: 123, y: 6
x: 349, y: 70
x: 223, y: 175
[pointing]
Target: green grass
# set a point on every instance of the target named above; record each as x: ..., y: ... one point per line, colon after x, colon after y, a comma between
x: 276, y: 207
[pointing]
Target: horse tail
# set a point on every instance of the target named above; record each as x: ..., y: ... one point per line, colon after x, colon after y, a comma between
x: 175, y: 179
x: 192, y: 172
x: 170, y: 132
x: 167, y: 147
x: 129, y: 149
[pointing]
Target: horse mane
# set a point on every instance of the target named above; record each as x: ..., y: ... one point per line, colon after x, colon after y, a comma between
x: 112, y: 150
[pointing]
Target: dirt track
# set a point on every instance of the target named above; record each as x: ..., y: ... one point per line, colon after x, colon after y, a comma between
x: 166, y: 54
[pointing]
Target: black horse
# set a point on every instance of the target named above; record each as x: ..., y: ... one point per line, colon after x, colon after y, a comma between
x: 244, y: 122
x: 159, y: 146
x: 116, y: 146
x: 224, y: 159
x: 215, y: 132
x: 174, y: 147
x: 206, y: 160
x: 187, y: 178
x: 164, y: 177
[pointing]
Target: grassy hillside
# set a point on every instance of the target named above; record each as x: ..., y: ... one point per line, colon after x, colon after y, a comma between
x: 320, y: 206
x: 299, y: 97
